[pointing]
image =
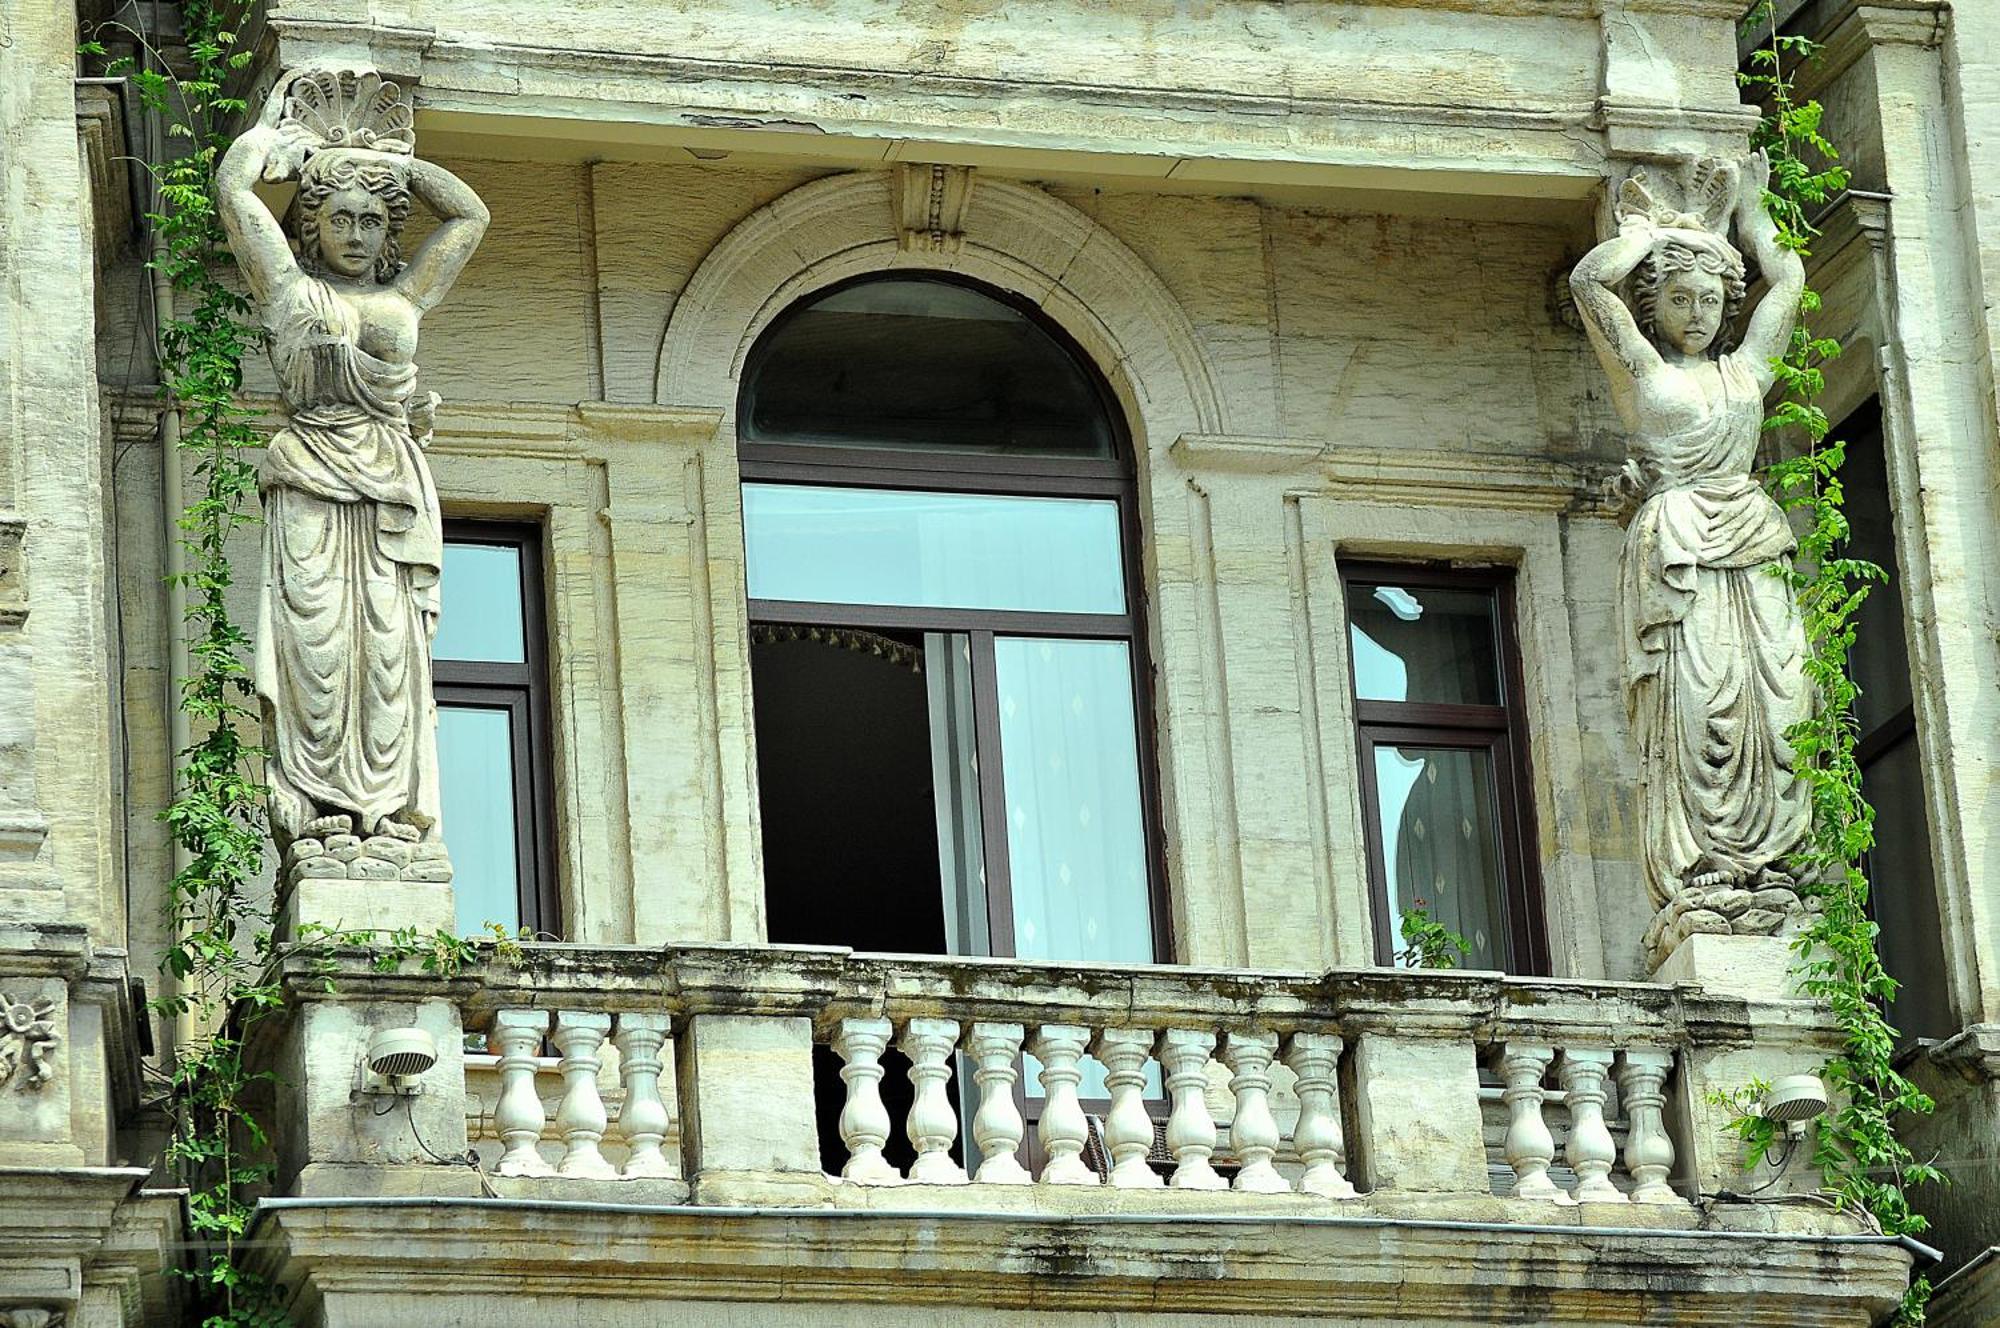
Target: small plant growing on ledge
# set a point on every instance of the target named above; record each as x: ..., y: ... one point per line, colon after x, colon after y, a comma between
x: 1428, y: 943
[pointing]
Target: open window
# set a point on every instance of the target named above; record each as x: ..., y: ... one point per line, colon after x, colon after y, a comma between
x: 1443, y: 758
x: 949, y: 685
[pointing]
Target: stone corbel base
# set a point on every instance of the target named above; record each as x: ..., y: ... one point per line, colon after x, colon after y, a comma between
x: 1722, y: 910
x: 380, y: 884
x: 1757, y: 968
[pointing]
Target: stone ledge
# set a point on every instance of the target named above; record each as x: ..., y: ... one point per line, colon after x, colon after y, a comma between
x: 558, y: 1258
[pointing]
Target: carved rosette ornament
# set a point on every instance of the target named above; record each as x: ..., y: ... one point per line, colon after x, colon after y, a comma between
x: 1712, y: 645
x: 353, y: 539
x: 27, y: 1035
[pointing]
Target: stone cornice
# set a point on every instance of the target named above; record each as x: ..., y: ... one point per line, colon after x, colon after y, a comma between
x: 867, y: 106
x: 1395, y: 1262
x: 523, y: 429
x: 1973, y: 1052
x: 1848, y: 29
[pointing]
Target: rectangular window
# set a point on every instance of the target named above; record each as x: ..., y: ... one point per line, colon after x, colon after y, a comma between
x: 1443, y: 759
x: 489, y: 675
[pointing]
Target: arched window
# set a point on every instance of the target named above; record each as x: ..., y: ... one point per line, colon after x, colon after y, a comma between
x: 952, y: 744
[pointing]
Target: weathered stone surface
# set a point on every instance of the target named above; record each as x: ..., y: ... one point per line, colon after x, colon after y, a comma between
x: 353, y: 543
x: 1711, y: 638
x: 396, y: 852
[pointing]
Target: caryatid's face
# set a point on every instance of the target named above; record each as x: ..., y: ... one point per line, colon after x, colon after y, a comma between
x: 1690, y: 311
x: 353, y: 228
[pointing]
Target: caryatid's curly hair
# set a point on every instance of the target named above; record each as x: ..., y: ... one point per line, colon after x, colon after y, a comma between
x: 1671, y: 255
x: 329, y: 171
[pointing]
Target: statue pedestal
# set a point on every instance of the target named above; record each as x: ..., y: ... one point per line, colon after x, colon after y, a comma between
x: 1757, y: 968
x: 377, y: 884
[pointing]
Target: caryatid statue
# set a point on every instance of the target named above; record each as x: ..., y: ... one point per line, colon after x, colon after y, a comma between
x: 1710, y: 633
x: 353, y: 540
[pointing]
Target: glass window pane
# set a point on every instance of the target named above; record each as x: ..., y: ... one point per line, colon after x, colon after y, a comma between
x: 955, y: 791
x: 1076, y: 835
x: 482, y: 605
x: 1440, y: 842
x: 1424, y: 643
x: 932, y: 550
x: 914, y: 362
x: 476, y: 778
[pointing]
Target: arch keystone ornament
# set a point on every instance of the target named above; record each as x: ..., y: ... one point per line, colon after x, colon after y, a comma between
x: 353, y: 538
x: 1713, y: 648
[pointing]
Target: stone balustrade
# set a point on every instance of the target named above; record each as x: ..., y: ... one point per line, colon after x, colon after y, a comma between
x: 816, y: 1077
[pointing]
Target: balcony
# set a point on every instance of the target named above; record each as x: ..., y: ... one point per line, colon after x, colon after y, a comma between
x: 1437, y: 1144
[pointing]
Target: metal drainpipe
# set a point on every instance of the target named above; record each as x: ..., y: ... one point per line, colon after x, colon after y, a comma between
x: 173, y: 500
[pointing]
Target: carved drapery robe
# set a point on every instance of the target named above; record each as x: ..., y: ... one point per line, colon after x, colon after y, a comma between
x: 354, y: 547
x: 1713, y: 652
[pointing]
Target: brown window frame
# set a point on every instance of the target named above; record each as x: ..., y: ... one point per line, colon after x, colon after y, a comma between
x: 1500, y: 730
x: 522, y: 690
x: 940, y: 471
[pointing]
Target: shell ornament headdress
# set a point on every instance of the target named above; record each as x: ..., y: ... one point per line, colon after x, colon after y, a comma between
x: 1708, y: 197
x: 349, y: 109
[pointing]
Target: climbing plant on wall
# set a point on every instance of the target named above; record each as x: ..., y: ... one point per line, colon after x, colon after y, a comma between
x: 1863, y: 1162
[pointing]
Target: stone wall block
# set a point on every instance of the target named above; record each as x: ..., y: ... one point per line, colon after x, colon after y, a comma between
x: 325, y: 1118
x: 1417, y: 1114
x: 748, y: 1129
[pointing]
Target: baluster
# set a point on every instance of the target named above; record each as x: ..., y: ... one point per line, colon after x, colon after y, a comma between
x: 1128, y: 1129
x: 1063, y: 1129
x: 864, y: 1121
x: 1184, y: 1053
x: 581, y: 1117
x: 1253, y: 1133
x: 1591, y: 1151
x: 518, y: 1116
x: 997, y: 1126
x: 932, y: 1124
x: 1649, y: 1150
x: 1529, y: 1147
x: 1314, y: 1058
x: 643, y: 1118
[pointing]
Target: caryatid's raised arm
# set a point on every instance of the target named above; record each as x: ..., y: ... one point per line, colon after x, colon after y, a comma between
x: 269, y: 149
x: 1770, y: 330
x: 444, y: 254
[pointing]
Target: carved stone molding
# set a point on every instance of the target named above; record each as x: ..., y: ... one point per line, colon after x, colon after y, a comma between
x: 1019, y: 239
x: 13, y: 570
x: 33, y: 1316
x: 931, y: 205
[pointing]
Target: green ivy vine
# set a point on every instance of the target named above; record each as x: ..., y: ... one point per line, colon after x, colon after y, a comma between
x: 1862, y: 1161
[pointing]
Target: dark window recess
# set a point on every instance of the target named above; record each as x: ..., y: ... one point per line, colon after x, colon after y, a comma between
x: 490, y: 678
x: 1902, y: 891
x: 922, y: 362
x: 1444, y: 759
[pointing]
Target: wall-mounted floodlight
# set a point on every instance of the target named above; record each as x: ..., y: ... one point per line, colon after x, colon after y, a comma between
x: 1794, y: 1100
x: 395, y: 1057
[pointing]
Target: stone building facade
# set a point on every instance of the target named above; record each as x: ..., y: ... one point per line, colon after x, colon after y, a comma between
x: 1242, y: 335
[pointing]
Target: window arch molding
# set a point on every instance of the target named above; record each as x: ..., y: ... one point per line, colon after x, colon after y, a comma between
x: 1018, y: 239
